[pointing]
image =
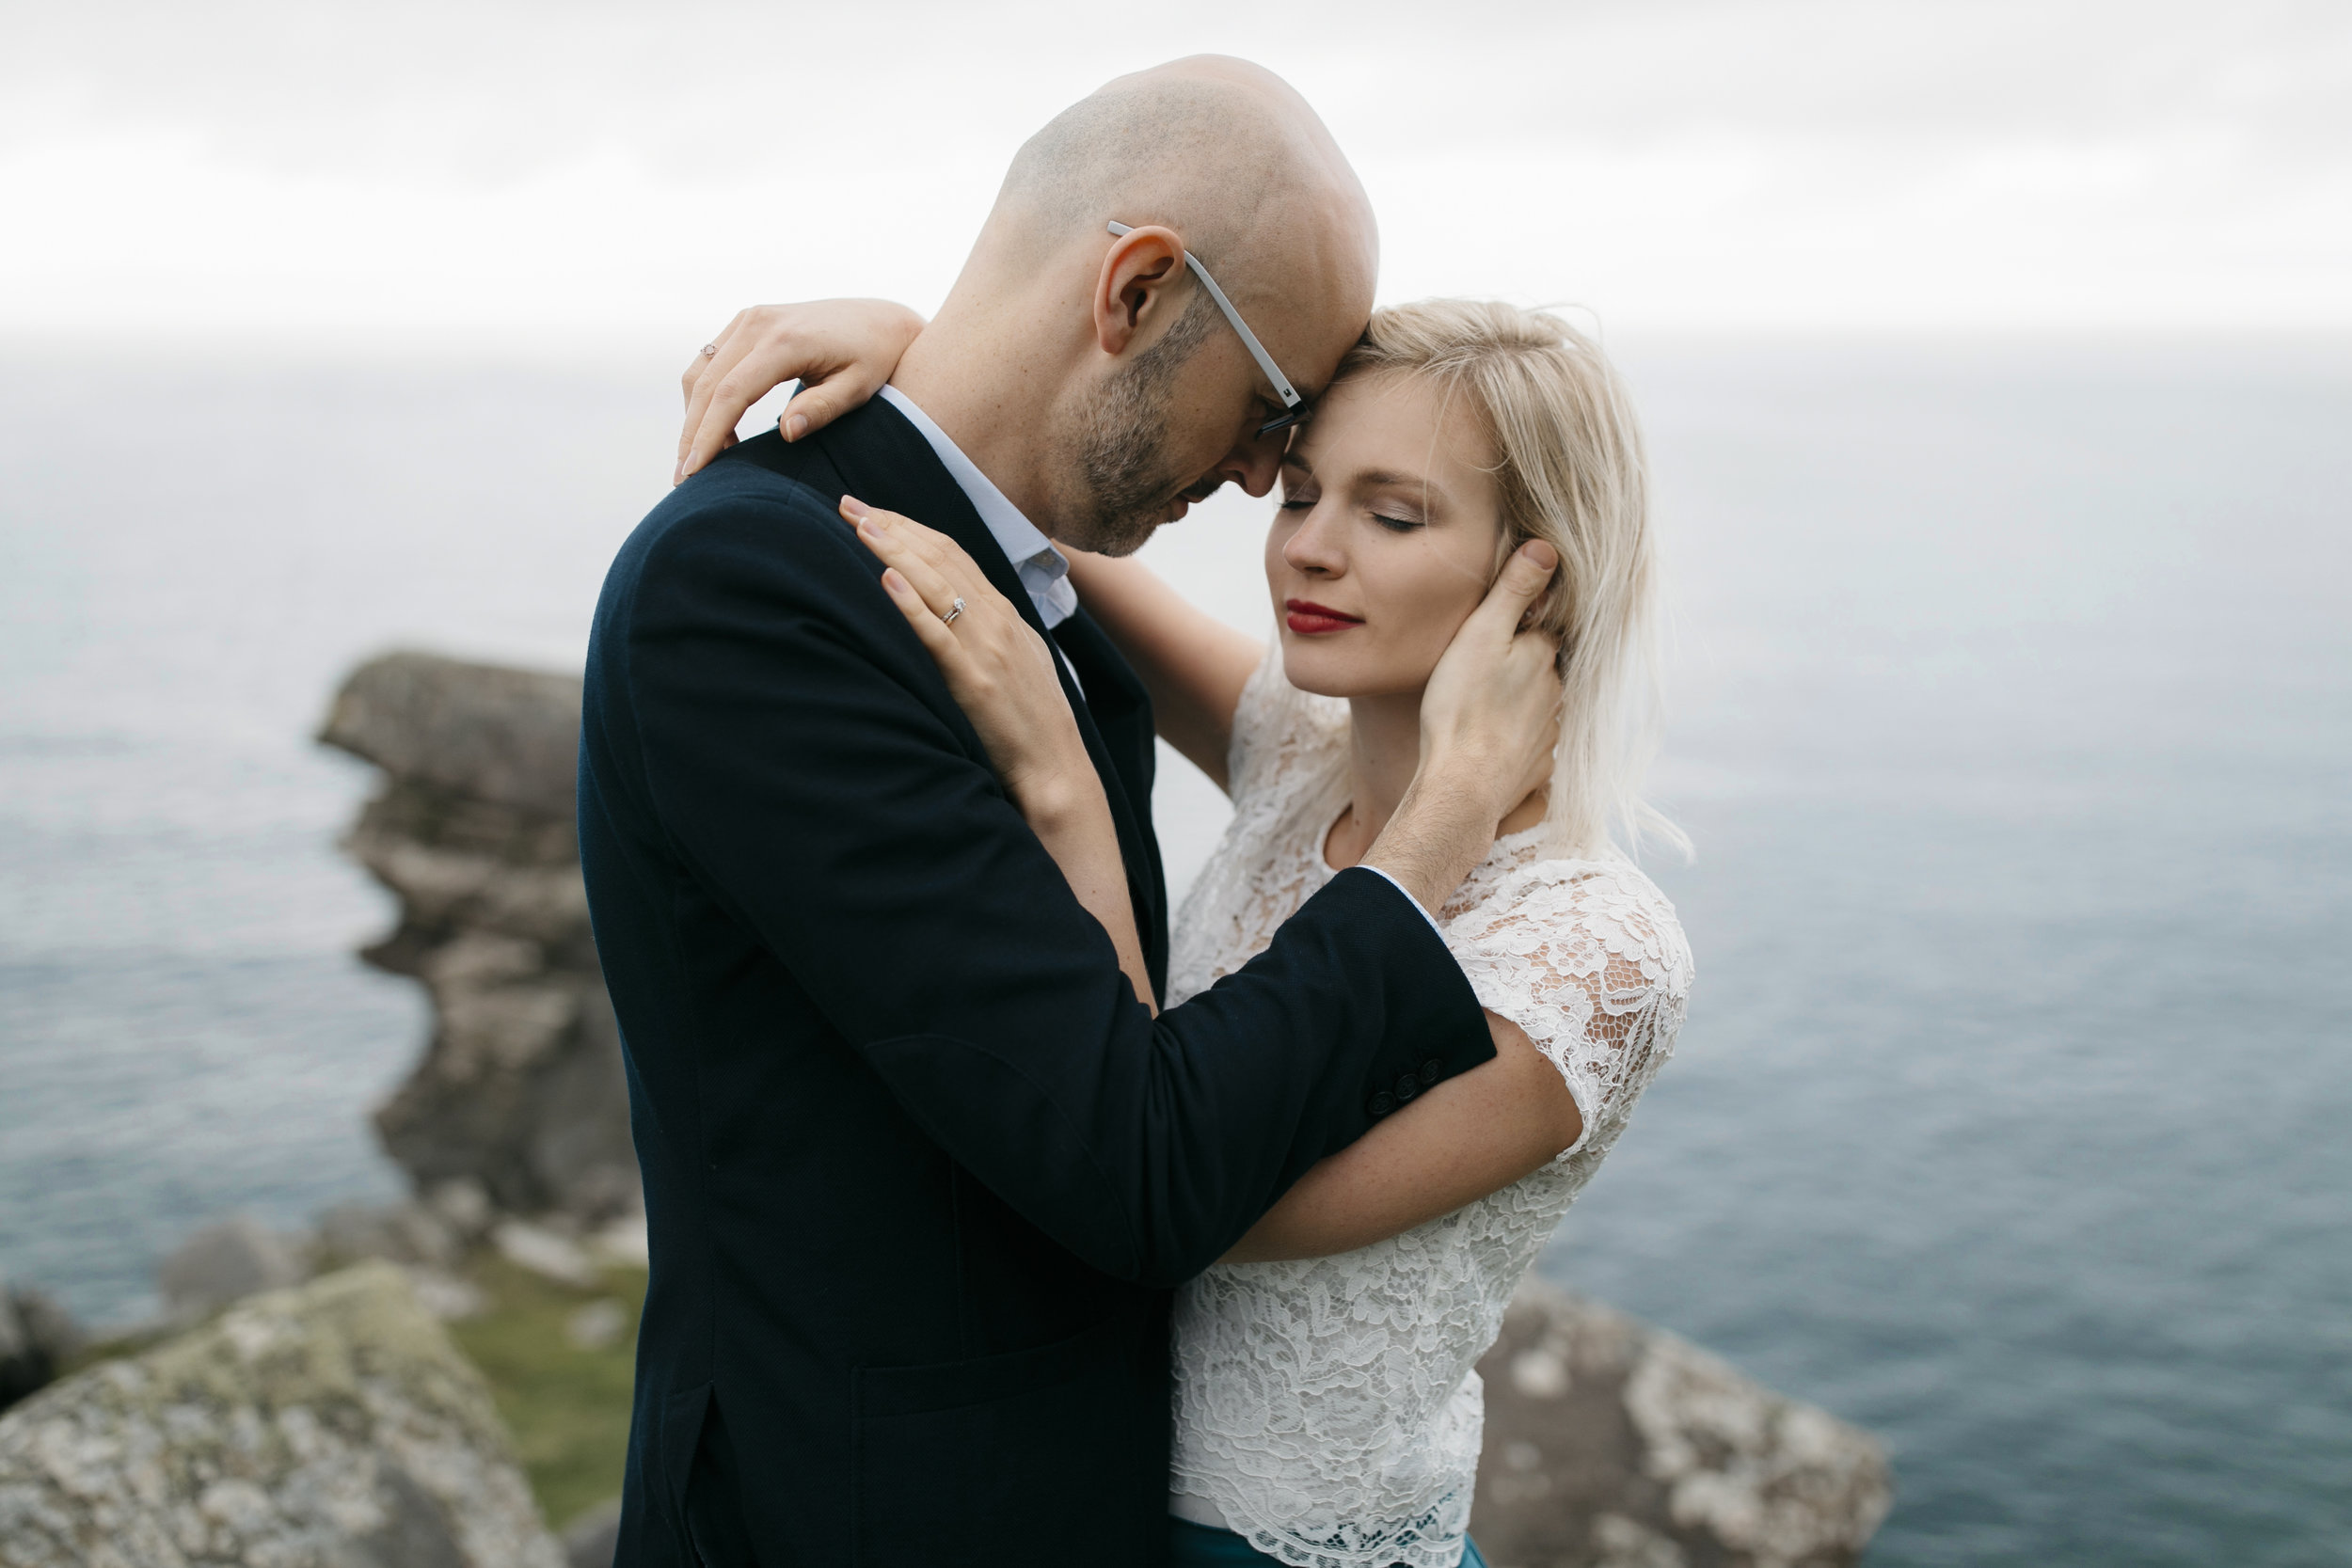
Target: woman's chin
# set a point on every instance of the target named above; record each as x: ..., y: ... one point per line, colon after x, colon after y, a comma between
x: 1323, y: 670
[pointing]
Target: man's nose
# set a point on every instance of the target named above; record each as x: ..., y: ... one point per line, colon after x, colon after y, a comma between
x: 1255, y: 462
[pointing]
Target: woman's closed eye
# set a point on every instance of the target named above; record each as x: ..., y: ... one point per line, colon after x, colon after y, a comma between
x: 1302, y: 500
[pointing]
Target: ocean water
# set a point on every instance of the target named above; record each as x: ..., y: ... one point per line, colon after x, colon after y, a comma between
x: 2012, y: 696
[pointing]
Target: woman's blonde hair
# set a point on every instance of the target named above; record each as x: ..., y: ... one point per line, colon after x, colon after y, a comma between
x: 1569, y: 468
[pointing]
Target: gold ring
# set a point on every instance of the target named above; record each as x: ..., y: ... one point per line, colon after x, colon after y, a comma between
x: 953, y: 611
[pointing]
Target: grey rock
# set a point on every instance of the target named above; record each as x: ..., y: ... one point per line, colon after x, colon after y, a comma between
x: 592, y: 1540
x: 544, y: 1252
x: 463, y: 1205
x: 520, y: 1089
x: 331, y: 1426
x: 397, y: 1233
x: 37, y: 1339
x: 505, y: 737
x: 449, y: 1297
x: 1610, y: 1444
x: 224, y: 1261
x: 599, y: 1324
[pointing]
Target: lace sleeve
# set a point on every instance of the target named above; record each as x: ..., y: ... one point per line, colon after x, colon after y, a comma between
x: 1278, y: 728
x: 1588, y: 958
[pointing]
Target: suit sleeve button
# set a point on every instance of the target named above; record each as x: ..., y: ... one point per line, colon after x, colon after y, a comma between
x: 1429, y: 1071
x: 1382, y: 1104
x: 1406, y: 1086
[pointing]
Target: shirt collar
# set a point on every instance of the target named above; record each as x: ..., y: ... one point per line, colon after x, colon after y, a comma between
x: 1044, y: 570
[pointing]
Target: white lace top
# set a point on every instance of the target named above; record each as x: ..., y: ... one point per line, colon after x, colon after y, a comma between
x: 1326, y: 1409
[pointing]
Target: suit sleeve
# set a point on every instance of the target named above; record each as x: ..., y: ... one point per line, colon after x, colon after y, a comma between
x: 811, y: 770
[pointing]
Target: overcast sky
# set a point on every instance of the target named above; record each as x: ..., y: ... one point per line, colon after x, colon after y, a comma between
x: 592, y: 172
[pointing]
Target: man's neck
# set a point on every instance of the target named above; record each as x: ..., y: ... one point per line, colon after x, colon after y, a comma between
x: 990, y: 401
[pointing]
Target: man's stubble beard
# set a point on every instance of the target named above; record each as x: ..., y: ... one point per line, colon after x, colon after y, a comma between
x: 1125, y: 478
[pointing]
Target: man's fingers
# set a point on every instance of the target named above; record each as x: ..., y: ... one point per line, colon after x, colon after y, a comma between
x: 1529, y: 571
x: 1523, y: 577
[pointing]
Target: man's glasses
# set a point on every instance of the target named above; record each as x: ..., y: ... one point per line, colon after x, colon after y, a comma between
x: 1294, y: 406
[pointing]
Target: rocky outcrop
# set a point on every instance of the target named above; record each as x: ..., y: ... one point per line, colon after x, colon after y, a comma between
x: 1613, y: 1445
x: 224, y: 1261
x: 37, y: 1339
x: 330, y: 1426
x: 520, y: 1088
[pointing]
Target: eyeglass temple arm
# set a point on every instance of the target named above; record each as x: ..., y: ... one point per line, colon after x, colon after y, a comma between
x: 1283, y: 386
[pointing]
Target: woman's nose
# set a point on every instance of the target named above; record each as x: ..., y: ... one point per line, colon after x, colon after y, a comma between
x: 1311, y: 547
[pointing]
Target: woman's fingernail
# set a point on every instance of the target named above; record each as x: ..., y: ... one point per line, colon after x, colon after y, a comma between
x: 795, y: 426
x: 1541, y: 553
x: 677, y: 475
x: 852, y: 508
x: 869, y: 531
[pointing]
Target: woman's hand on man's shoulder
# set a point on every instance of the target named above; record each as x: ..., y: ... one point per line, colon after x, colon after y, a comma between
x: 841, y: 351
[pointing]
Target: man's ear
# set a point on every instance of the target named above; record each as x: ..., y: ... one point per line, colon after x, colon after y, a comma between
x: 1139, y: 271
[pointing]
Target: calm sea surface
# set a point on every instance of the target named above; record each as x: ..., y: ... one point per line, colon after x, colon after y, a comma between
x: 2013, y: 718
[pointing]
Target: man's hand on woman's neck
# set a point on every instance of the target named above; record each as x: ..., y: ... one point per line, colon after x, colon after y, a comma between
x: 1490, y: 721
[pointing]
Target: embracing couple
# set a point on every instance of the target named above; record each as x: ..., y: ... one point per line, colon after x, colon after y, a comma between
x: 992, y: 1223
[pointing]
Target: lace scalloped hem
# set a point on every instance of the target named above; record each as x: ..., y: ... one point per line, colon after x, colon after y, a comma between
x: 1425, y: 1543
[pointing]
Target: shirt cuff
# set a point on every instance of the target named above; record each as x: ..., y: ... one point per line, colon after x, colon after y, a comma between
x: 1408, y: 897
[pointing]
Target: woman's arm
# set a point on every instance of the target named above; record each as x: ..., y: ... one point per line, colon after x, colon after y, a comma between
x: 1466, y: 1137
x: 1585, y: 979
x: 1002, y: 675
x: 1193, y: 664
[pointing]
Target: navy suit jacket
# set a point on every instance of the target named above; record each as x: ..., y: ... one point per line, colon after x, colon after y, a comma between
x: 919, y: 1171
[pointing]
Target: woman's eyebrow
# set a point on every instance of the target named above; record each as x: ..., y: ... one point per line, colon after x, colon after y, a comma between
x: 1383, y: 479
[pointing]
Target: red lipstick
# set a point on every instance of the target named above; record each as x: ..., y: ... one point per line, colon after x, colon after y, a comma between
x: 1310, y: 619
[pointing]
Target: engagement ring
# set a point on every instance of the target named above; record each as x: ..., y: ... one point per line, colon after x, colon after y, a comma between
x: 710, y: 351
x: 953, y: 611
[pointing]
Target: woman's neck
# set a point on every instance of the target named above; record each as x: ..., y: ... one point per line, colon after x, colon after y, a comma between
x: 1384, y: 752
x: 1384, y: 749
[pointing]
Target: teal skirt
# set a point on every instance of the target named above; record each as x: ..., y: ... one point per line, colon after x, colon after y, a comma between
x: 1191, y: 1546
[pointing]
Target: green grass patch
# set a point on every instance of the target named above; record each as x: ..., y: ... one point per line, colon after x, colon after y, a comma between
x: 566, y: 1404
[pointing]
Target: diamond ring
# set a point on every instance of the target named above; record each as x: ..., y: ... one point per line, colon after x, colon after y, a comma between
x: 710, y: 351
x: 953, y: 611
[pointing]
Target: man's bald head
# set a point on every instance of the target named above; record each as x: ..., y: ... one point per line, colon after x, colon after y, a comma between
x: 1099, y: 377
x: 1224, y: 153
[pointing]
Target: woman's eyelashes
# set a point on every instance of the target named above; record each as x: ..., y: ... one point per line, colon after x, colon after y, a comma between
x: 1304, y: 499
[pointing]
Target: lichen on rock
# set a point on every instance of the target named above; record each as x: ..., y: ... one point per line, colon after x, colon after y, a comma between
x: 329, y: 1426
x: 1609, y: 1444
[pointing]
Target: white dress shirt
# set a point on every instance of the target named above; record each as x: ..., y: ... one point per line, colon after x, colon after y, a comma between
x: 1044, y: 570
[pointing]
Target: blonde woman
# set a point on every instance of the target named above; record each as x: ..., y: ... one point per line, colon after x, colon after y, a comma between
x: 1326, y: 1412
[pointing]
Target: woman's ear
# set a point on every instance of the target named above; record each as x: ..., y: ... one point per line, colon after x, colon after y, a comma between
x: 1139, y: 270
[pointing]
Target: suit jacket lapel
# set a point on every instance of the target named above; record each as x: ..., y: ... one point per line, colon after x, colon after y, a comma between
x: 879, y: 457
